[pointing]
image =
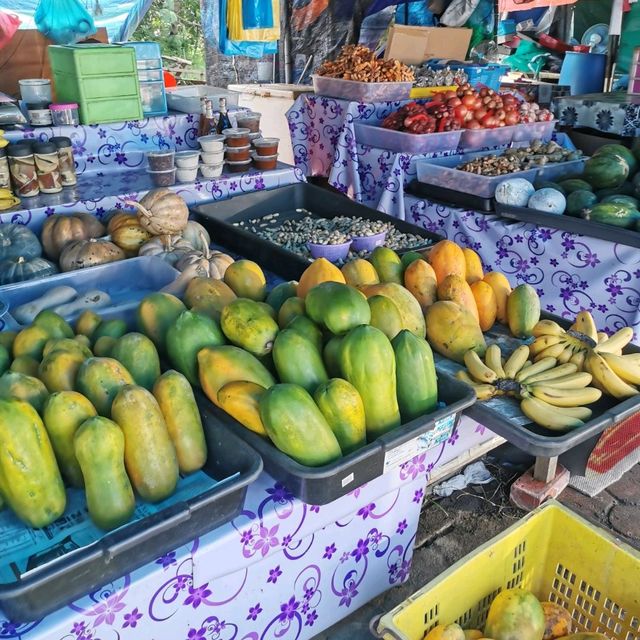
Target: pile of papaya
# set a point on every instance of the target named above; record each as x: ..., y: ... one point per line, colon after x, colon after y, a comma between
x: 516, y: 614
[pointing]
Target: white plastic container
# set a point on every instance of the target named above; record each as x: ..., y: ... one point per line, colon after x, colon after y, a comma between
x: 187, y: 99
x: 187, y: 159
x: 186, y: 174
x: 212, y: 143
x: 212, y: 158
x: 211, y: 170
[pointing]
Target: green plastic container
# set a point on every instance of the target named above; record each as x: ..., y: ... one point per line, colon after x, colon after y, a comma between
x: 101, y: 78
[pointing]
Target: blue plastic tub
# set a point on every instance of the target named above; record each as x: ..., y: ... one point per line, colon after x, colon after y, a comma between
x: 487, y: 75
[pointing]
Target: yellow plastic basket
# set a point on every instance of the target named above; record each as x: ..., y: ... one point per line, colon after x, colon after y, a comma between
x: 427, y: 92
x: 552, y: 552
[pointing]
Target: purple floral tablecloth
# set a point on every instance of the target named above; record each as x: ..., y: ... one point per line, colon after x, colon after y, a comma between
x: 282, y: 569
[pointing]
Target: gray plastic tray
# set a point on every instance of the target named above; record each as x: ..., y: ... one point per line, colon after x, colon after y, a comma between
x: 355, y: 91
x: 402, y: 142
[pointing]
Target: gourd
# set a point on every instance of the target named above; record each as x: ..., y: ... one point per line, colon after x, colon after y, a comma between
x: 61, y: 229
x: 94, y: 299
x: 215, y: 262
x: 170, y: 248
x: 26, y: 312
x: 17, y: 240
x: 120, y: 218
x: 81, y: 254
x: 162, y: 211
x: 130, y: 236
x: 197, y: 235
x: 21, y: 269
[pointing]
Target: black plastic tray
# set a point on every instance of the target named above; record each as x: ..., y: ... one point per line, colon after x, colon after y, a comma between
x: 451, y: 197
x: 588, y: 228
x: 325, y: 484
x: 59, y: 582
x: 219, y: 219
x: 538, y: 441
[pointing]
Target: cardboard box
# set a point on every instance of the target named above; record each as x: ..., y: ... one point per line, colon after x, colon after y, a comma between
x: 413, y: 45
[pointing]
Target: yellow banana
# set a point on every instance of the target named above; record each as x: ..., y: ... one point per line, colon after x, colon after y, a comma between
x: 616, y: 342
x: 602, y: 336
x: 578, y: 359
x: 516, y: 361
x: 550, y: 416
x: 628, y: 370
x: 547, y: 328
x: 484, y: 391
x: 493, y: 359
x: 478, y: 369
x: 463, y: 376
x: 606, y: 379
x: 587, y: 326
x: 566, y: 355
x: 551, y: 352
x: 572, y: 381
x: 565, y: 397
x: 544, y: 342
x: 552, y: 374
x: 539, y: 367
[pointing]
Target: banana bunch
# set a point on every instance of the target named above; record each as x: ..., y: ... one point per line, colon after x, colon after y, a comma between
x: 552, y: 394
x: 3, y: 141
x: 7, y: 199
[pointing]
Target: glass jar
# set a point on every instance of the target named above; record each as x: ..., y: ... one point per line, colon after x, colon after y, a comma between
x: 5, y: 176
x: 35, y: 90
x: 67, y: 161
x: 39, y: 114
x: 65, y: 114
x: 23, y: 170
x: 45, y: 155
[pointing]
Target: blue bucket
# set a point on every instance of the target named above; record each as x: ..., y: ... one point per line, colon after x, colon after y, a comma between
x: 583, y: 72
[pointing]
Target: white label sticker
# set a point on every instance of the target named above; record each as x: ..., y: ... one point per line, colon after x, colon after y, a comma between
x: 347, y: 480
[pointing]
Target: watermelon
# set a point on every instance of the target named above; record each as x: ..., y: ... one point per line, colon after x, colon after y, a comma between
x: 575, y: 184
x: 548, y: 200
x: 626, y: 188
x: 628, y: 201
x: 613, y: 213
x: 622, y: 152
x: 545, y: 184
x: 515, y: 192
x: 579, y: 201
x: 605, y: 171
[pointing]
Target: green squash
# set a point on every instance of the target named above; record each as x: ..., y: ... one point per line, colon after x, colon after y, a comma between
x: 18, y: 240
x: 21, y: 269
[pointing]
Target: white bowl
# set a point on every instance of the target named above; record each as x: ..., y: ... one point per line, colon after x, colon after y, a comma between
x: 187, y: 159
x: 212, y: 143
x: 187, y: 174
x: 212, y: 158
x: 211, y: 170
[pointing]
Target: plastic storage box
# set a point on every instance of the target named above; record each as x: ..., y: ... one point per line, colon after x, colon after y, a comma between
x: 150, y: 76
x: 355, y: 91
x: 477, y: 139
x: 101, y: 78
x: 402, y: 142
x: 552, y: 552
x: 187, y: 99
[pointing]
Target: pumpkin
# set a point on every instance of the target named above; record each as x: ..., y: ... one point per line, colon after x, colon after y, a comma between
x: 197, y: 235
x: 80, y: 254
x: 60, y: 229
x: 119, y: 218
x: 17, y: 240
x: 130, y: 236
x: 168, y: 248
x: 162, y: 212
x: 21, y: 269
x: 215, y: 263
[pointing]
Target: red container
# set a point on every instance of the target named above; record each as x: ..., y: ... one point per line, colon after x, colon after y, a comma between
x: 265, y: 163
x: 238, y: 154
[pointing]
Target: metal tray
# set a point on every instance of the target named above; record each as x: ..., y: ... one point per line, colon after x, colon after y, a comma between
x: 78, y: 572
x: 221, y: 218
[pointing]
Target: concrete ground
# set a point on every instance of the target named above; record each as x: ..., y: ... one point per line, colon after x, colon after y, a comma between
x: 452, y: 527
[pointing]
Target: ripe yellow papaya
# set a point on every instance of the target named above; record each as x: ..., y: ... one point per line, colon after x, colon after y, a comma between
x: 385, y: 316
x: 486, y: 304
x: 446, y: 632
x: 99, y: 380
x: 23, y: 387
x: 156, y: 313
x: 523, y: 310
x: 359, y: 272
x: 408, y: 306
x: 290, y: 309
x: 245, y: 324
x: 557, y: 621
x: 31, y: 342
x: 420, y: 280
x: 456, y: 289
x: 387, y: 264
x: 246, y: 280
x: 88, y: 321
x: 208, y: 296
x: 241, y: 400
x: 58, y: 370
x: 447, y: 259
x: 337, y: 307
x: 515, y: 614
x: 297, y: 360
x: 66, y: 344
x: 25, y: 364
x: 502, y: 289
x: 320, y: 270
x: 103, y: 346
x: 473, y: 634
x: 474, y: 271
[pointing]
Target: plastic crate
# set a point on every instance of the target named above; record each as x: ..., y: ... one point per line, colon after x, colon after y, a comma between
x: 553, y: 553
x: 147, y: 51
x: 402, y: 142
x: 187, y: 99
x: 153, y: 98
x: 477, y: 139
x: 355, y: 91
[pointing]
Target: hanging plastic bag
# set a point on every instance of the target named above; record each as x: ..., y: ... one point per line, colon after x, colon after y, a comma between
x: 64, y: 21
x: 238, y: 30
x: 230, y: 47
x: 9, y: 24
x: 257, y: 14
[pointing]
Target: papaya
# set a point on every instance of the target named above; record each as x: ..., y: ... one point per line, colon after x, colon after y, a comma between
x: 420, y: 280
x: 7, y: 338
x: 149, y: 455
x: 30, y: 481
x: 139, y: 356
x: 58, y: 370
x: 557, y: 621
x: 387, y: 264
x: 88, y: 321
x: 191, y: 332
x: 268, y: 309
x: 31, y: 342
x: 523, y: 310
x: 25, y: 364
x: 474, y: 271
x: 409, y: 257
x: 99, y: 379
x: 385, y: 316
x: 446, y: 632
x: 246, y: 280
x: 298, y: 360
x: 473, y: 634
x: 337, y: 307
x: 343, y: 409
x: 280, y: 293
x: 297, y: 427
x: 182, y: 417
x: 290, y: 309
x: 82, y: 340
x: 103, y: 346
x: 55, y: 325
x: 501, y: 287
x: 246, y: 325
x: 331, y: 356
x: 447, y: 259
x: 66, y: 344
x: 367, y: 361
x: 408, y: 306
x: 320, y: 270
x: 360, y: 271
x: 456, y: 289
x: 452, y: 330
x: 486, y: 303
x: 515, y: 614
x: 5, y: 359
x: 221, y: 365
x: 22, y: 387
x: 99, y: 447
x: 156, y: 313
x: 63, y: 413
x: 308, y: 329
x: 416, y: 380
x: 241, y: 400
x: 114, y: 328
x: 208, y: 296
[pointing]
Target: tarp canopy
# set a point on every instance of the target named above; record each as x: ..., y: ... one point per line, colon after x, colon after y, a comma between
x: 119, y: 17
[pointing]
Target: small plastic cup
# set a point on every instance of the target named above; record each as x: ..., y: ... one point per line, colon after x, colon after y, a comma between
x: 266, y: 146
x: 249, y: 121
x: 237, y: 137
x: 165, y: 178
x: 368, y: 243
x: 332, y: 252
x: 211, y: 170
x: 265, y: 163
x: 187, y: 159
x: 238, y: 154
x: 212, y: 143
x: 239, y: 167
x: 160, y: 160
x: 187, y: 174
x: 212, y: 158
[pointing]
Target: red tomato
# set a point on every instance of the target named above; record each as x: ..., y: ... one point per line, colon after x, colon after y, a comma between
x: 473, y: 124
x: 480, y: 113
x: 512, y: 118
x: 460, y: 112
x: 438, y: 98
x: 454, y: 102
x: 489, y: 122
x: 468, y: 100
x: 501, y: 114
x: 450, y: 94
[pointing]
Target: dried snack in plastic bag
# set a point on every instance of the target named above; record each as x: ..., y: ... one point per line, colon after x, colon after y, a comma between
x: 64, y: 21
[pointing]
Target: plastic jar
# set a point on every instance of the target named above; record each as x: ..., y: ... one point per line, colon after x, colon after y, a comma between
x: 265, y: 163
x: 165, y: 178
x: 238, y: 137
x: 238, y: 154
x: 161, y: 160
x: 45, y: 155
x: 250, y: 120
x: 266, y: 146
x: 239, y: 167
x: 66, y: 160
x: 39, y: 114
x: 35, y: 90
x: 23, y: 170
x: 5, y: 176
x: 65, y: 114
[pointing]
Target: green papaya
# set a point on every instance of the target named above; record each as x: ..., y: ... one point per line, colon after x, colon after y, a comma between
x: 297, y: 360
x: 140, y: 358
x: 280, y: 293
x: 5, y: 359
x: 331, y: 356
x: 103, y: 346
x: 308, y: 329
x: 410, y: 256
x: 388, y: 264
x: 114, y: 328
x: 245, y: 324
x: 25, y: 364
x: 291, y: 308
x: 156, y: 313
x: 55, y: 325
x: 385, y: 316
x: 338, y: 307
x: 99, y: 380
x: 23, y: 387
x: 58, y: 370
x: 523, y: 310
